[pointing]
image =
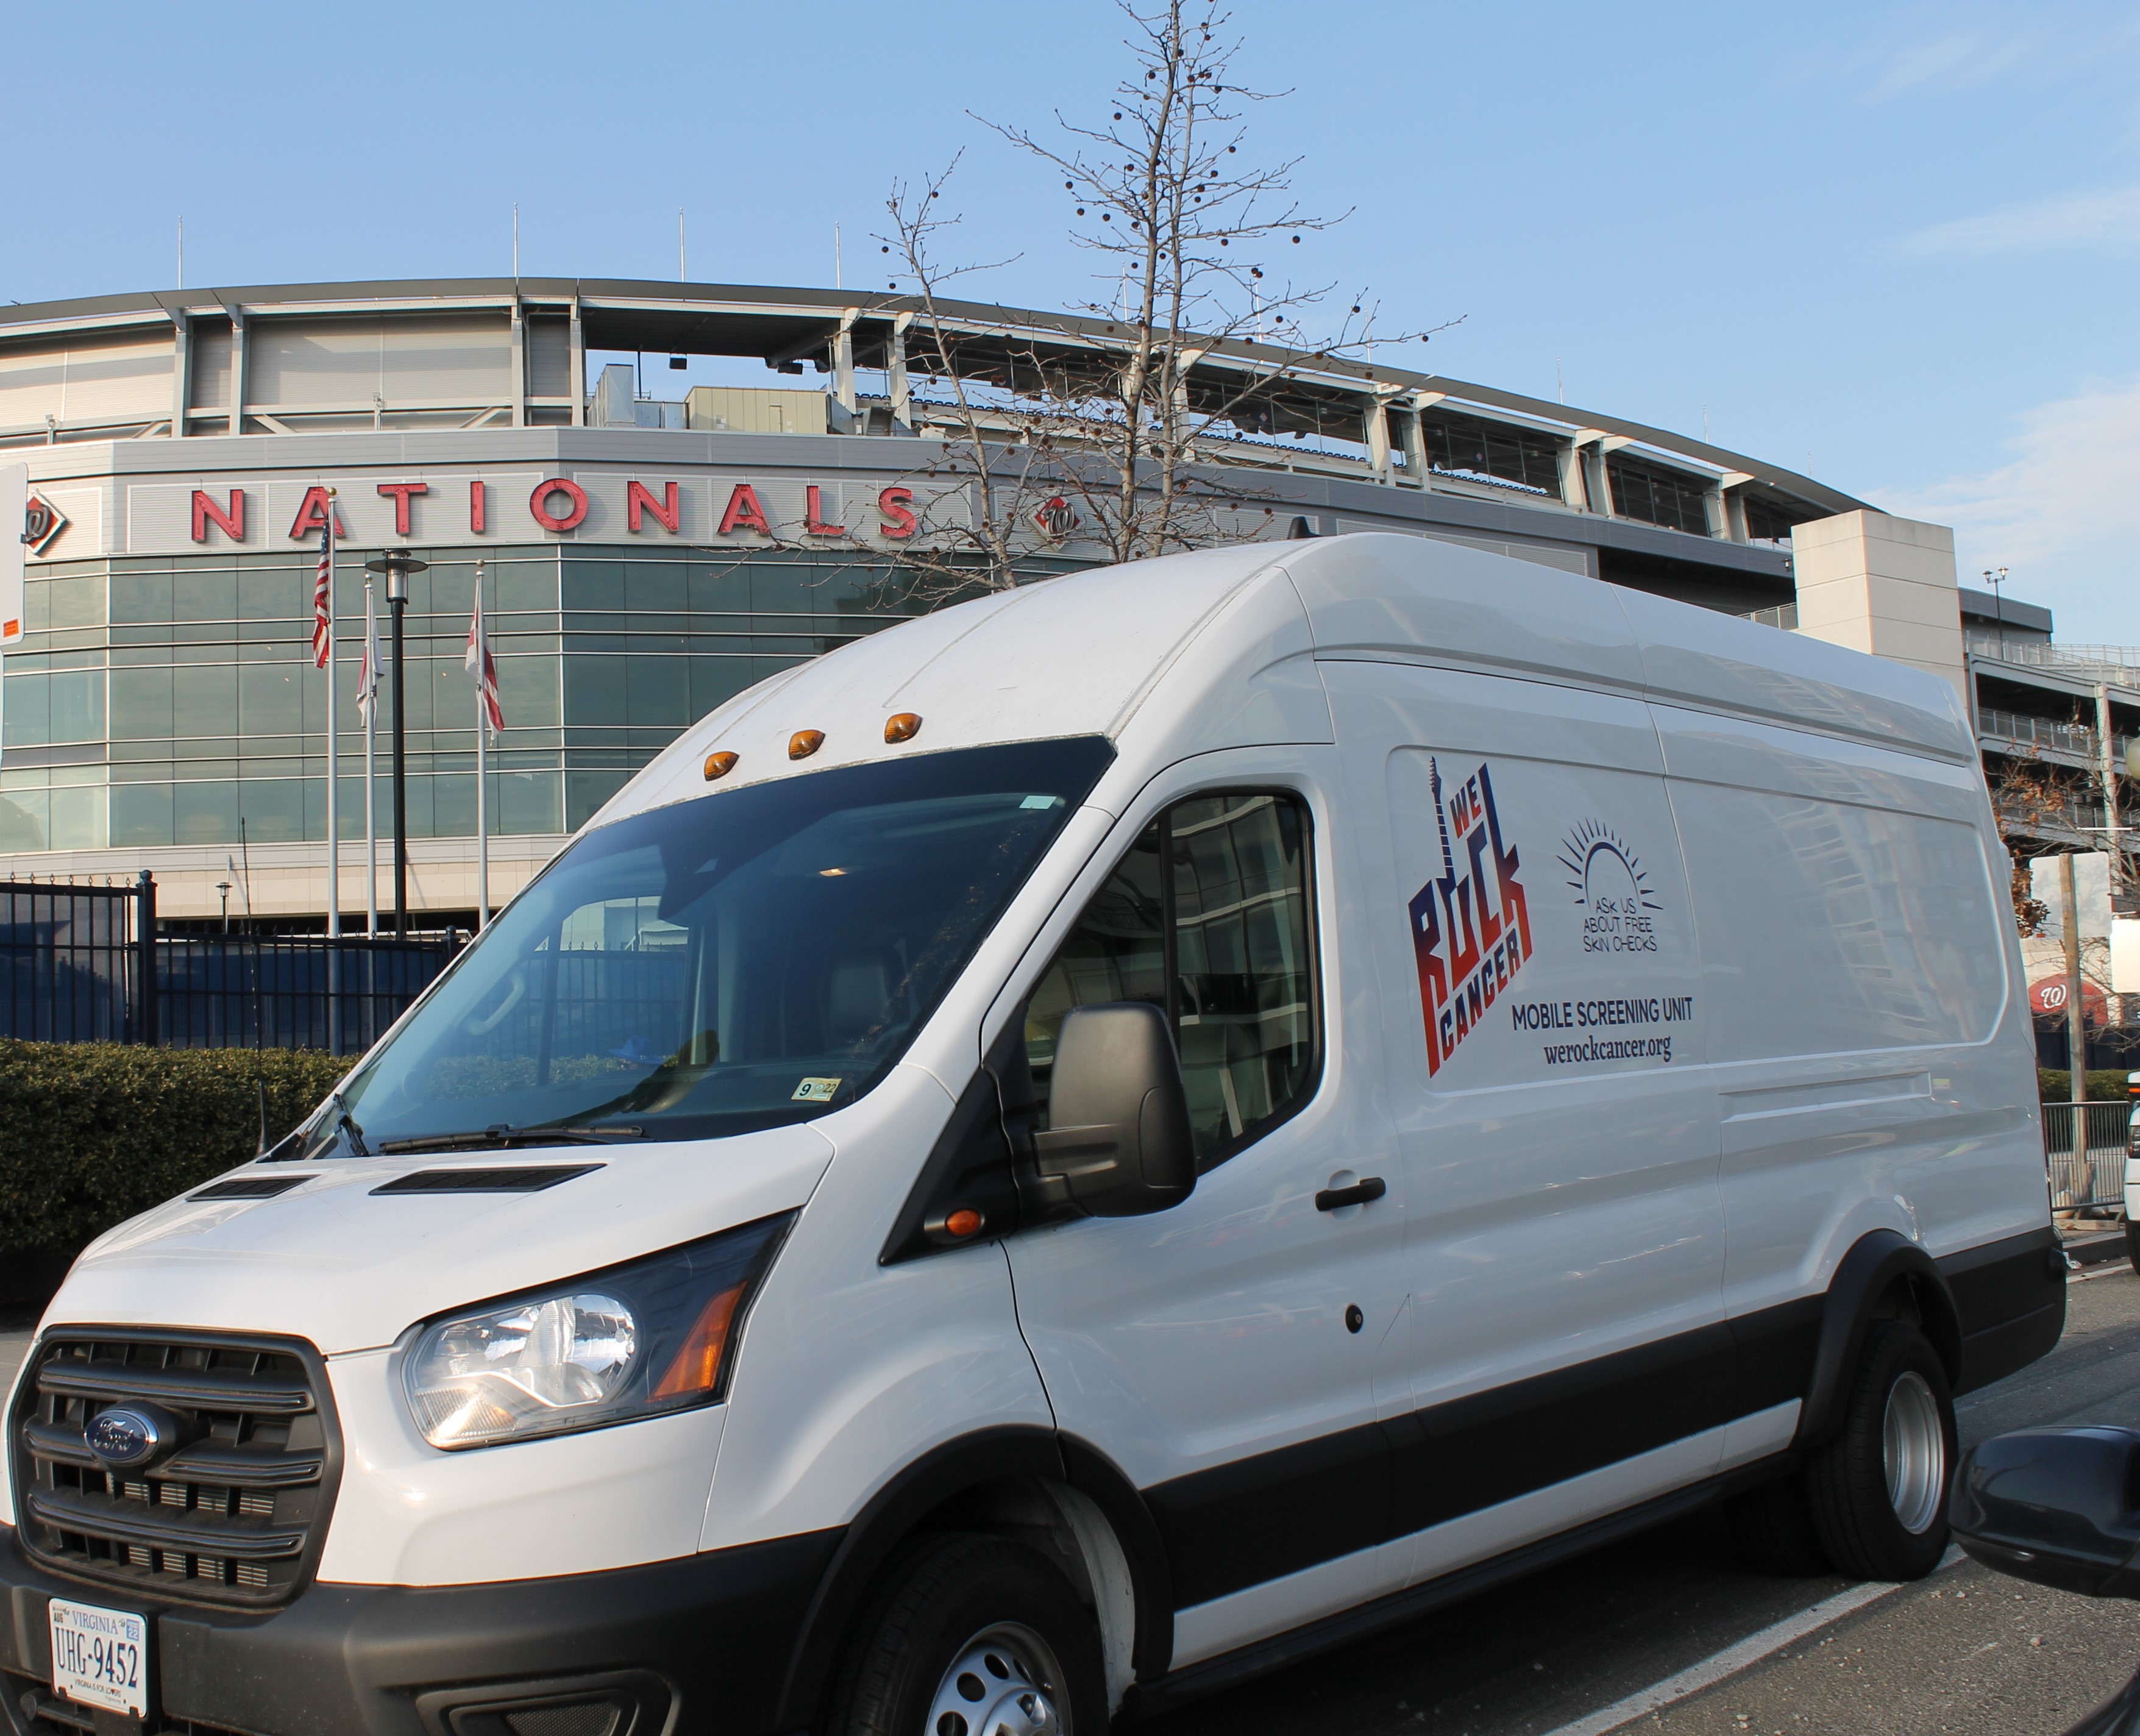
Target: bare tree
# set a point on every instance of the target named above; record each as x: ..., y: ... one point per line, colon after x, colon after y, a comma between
x: 1116, y: 446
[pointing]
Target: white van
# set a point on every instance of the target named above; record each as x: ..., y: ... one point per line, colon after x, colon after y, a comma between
x: 1073, y: 1150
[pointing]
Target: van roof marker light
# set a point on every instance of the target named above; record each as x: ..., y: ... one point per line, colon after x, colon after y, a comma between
x: 902, y: 726
x: 804, y: 743
x: 719, y: 765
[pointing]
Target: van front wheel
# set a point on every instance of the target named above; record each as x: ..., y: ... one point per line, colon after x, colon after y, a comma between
x: 972, y: 1636
x: 1878, y: 1490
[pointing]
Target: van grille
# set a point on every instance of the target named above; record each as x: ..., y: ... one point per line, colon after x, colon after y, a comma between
x: 234, y: 1515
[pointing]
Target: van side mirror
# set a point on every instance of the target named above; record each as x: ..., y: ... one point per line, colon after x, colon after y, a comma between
x: 2058, y: 1506
x: 1118, y: 1143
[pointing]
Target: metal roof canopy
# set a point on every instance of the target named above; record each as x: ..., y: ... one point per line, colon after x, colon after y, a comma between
x: 1006, y: 345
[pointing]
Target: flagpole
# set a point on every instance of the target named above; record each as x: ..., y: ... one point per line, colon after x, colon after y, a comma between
x: 369, y: 697
x: 481, y: 780
x: 334, y: 810
x: 334, y: 744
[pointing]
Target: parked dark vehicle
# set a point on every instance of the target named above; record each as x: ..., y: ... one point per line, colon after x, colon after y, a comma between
x: 2060, y: 1507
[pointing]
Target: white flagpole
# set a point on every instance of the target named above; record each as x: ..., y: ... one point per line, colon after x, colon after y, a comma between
x: 370, y: 698
x: 481, y: 779
x: 334, y: 745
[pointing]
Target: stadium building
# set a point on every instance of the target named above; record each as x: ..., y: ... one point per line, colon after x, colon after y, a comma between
x: 649, y: 556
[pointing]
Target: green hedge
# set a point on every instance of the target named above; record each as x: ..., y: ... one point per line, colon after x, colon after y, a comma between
x: 2105, y: 1084
x: 91, y: 1133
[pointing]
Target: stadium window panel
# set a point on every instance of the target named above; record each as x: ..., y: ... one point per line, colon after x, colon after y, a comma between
x: 77, y: 817
x: 76, y: 602
x: 282, y: 594
x: 1657, y: 496
x: 205, y: 813
x: 597, y: 585
x: 142, y: 597
x: 659, y: 693
x: 271, y: 699
x: 524, y: 587
x: 597, y: 689
x: 1767, y: 522
x: 140, y: 813
x: 204, y: 699
x: 25, y: 819
x: 720, y: 590
x: 274, y: 810
x: 1472, y: 444
x: 530, y: 802
x: 141, y: 704
x: 25, y: 713
x: 528, y: 694
x: 197, y: 596
x: 78, y: 703
x: 655, y: 588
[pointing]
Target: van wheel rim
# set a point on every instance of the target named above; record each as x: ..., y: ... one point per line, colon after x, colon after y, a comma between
x: 1004, y: 1681
x: 1915, y: 1447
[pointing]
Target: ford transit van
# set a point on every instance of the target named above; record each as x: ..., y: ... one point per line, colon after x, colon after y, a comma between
x: 1073, y: 1150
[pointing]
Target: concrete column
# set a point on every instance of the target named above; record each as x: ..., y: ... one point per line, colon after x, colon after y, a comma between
x: 1881, y: 584
x: 1378, y: 435
x: 895, y: 368
x: 843, y: 360
x: 237, y: 382
x: 182, y: 371
x: 579, y: 366
x: 519, y: 367
x: 1415, y: 447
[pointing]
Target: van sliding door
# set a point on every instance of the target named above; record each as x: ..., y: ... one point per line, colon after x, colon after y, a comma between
x: 1546, y: 1025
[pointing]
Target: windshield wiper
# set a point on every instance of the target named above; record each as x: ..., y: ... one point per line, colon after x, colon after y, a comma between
x: 505, y: 1139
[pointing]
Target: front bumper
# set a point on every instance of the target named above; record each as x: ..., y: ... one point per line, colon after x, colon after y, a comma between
x: 697, y: 1644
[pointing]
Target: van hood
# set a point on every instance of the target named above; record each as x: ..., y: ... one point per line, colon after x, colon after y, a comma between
x: 335, y: 1262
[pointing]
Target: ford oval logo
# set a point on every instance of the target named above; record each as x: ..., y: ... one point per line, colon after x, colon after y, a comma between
x: 126, y: 1435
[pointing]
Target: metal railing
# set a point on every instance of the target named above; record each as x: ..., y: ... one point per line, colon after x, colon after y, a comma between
x: 1783, y: 615
x: 2117, y: 664
x: 2066, y: 738
x: 86, y: 963
x: 2092, y: 1172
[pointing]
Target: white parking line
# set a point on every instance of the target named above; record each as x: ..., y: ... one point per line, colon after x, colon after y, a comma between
x: 1733, y: 1659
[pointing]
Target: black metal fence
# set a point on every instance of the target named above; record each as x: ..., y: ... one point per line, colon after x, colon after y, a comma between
x: 86, y: 963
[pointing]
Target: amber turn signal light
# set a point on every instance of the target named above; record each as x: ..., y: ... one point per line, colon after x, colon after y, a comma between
x: 697, y: 1363
x: 719, y: 765
x: 964, y: 1222
x: 902, y: 727
x: 804, y: 743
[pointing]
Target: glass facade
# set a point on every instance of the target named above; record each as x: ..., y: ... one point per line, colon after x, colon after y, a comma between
x: 173, y: 700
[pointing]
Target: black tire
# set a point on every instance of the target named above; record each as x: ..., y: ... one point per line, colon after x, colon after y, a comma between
x: 959, y: 1596
x: 1772, y: 1527
x: 1848, y: 1482
x: 2132, y: 1246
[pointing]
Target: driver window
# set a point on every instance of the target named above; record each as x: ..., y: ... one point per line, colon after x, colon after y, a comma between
x: 1207, y: 919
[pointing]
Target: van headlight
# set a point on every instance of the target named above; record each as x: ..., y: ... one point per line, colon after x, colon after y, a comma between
x: 632, y: 1341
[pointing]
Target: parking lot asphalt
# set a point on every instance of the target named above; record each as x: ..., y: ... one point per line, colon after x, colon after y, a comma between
x: 1966, y: 1651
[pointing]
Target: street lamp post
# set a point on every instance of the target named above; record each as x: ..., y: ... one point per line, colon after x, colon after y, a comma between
x: 397, y: 564
x: 222, y: 891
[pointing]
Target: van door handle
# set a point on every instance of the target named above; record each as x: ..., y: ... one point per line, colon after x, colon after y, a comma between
x: 1367, y: 1187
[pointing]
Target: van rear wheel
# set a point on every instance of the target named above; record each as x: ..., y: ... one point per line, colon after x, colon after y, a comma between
x: 1877, y: 1492
x: 972, y: 1636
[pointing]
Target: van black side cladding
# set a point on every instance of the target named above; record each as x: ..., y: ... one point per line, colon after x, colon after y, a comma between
x: 1239, y: 1524
x: 530, y: 1180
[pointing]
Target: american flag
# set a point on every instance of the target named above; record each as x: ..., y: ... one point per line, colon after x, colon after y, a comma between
x: 480, y: 663
x: 323, y: 589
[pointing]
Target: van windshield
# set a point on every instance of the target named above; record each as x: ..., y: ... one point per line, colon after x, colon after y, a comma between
x: 734, y: 962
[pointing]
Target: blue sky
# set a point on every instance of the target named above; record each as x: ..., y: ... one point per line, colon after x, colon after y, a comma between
x: 1893, y: 244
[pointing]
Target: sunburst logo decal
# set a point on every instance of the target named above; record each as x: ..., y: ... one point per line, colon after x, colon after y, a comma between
x: 1612, y: 886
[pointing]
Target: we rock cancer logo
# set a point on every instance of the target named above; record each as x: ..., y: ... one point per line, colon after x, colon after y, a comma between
x: 1470, y: 925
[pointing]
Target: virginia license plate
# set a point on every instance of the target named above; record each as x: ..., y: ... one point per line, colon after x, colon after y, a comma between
x: 101, y: 1657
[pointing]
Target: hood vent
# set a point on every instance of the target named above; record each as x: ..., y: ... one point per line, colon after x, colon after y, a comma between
x: 526, y: 1180
x: 249, y: 1187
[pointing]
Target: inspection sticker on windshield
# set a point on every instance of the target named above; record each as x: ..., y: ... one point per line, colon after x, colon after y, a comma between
x: 101, y: 1657
x: 816, y: 1091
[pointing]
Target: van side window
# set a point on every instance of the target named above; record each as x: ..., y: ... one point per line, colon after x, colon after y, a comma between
x: 1207, y: 918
